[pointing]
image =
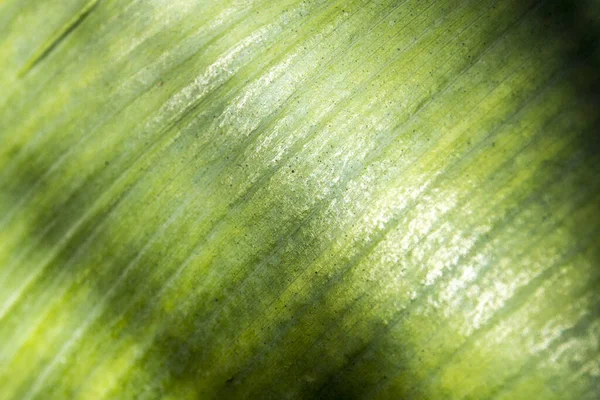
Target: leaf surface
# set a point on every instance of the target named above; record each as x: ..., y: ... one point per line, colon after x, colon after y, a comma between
x: 299, y: 199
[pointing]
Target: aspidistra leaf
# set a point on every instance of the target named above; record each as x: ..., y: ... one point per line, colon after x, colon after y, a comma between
x: 299, y: 199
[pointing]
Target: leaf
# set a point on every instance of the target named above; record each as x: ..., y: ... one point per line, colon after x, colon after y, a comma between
x: 299, y: 199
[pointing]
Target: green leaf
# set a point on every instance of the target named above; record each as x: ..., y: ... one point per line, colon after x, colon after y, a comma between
x: 299, y: 199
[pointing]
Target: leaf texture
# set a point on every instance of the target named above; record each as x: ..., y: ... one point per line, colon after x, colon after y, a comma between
x: 299, y: 199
